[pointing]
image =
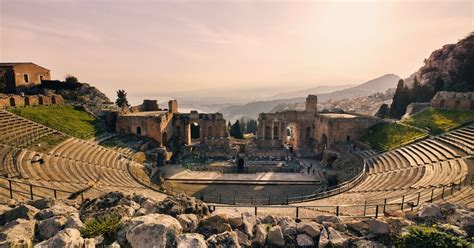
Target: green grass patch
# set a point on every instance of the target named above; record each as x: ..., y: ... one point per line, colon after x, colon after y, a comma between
x: 389, y: 136
x: 45, y: 144
x: 439, y: 120
x: 107, y: 225
x: 67, y: 119
x: 422, y: 236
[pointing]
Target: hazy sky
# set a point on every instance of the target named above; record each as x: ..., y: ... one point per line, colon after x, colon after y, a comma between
x: 160, y: 46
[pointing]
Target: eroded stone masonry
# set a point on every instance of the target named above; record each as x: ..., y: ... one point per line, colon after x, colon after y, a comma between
x: 302, y: 132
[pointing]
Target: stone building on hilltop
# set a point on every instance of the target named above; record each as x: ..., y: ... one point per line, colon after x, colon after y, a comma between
x: 453, y: 100
x: 14, y: 76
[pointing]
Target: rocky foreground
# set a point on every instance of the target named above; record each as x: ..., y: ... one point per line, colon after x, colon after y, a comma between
x: 183, y: 221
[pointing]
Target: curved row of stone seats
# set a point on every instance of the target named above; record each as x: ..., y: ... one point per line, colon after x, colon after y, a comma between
x: 15, y: 130
x: 462, y: 138
x: 9, y: 166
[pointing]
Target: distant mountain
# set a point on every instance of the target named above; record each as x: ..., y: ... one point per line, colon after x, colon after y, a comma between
x: 311, y: 91
x: 252, y: 109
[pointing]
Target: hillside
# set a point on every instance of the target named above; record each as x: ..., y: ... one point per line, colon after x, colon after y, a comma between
x: 311, y: 91
x: 440, y: 120
x: 380, y: 84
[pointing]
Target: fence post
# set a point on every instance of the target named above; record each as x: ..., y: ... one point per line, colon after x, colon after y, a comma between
x: 55, y: 194
x: 234, y: 199
x: 286, y: 199
x: 337, y: 210
x: 432, y: 193
x: 452, y: 188
x: 365, y: 207
x: 11, y: 189
x: 384, y: 204
x: 269, y: 202
x: 459, y: 185
x: 297, y: 212
x: 31, y: 192
x: 376, y: 211
x: 403, y: 201
x: 220, y: 199
x: 202, y: 197
x: 82, y: 196
x: 255, y: 210
x: 442, y: 193
x: 251, y: 200
x: 418, y: 200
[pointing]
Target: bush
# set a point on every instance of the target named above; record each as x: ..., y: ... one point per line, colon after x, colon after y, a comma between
x: 107, y: 225
x: 421, y: 236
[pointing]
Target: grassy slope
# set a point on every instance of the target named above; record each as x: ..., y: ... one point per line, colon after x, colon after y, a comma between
x: 63, y: 118
x: 440, y: 120
x: 385, y: 136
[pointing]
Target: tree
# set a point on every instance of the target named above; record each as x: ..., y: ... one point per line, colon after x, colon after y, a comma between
x: 71, y: 79
x: 383, y: 111
x: 121, y: 101
x: 235, y: 130
x: 251, y: 126
x: 401, y: 99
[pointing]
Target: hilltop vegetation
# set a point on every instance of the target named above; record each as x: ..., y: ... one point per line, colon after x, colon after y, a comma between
x: 68, y: 119
x: 440, y: 120
x: 389, y: 136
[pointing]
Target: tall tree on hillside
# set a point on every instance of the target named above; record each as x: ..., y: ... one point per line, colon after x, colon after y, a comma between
x: 251, y: 126
x: 121, y: 101
x: 71, y: 79
x: 243, y: 125
x: 401, y: 99
x: 235, y: 130
x: 383, y: 111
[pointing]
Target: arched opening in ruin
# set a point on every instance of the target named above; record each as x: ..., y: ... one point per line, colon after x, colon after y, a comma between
x: 27, y: 101
x: 164, y: 139
x: 457, y: 104
x: 324, y: 141
x: 195, y: 130
x: 139, y: 130
x: 292, y: 135
x: 240, y: 165
x: 472, y: 105
x: 178, y: 131
x: 40, y: 101
x: 268, y: 132
x: 209, y: 132
x: 53, y: 100
x: 12, y: 102
x: 348, y: 138
x: 275, y: 133
x: 308, y: 132
x: 442, y: 103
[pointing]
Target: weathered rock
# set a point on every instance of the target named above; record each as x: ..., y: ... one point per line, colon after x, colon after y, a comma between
x: 153, y: 230
x: 360, y: 227
x: 303, y: 240
x: 396, y: 224
x: 463, y: 218
x: 378, y: 227
x: 73, y: 221
x: 226, y: 239
x: 335, y: 237
x: 182, y: 204
x: 56, y: 210
x: 327, y: 218
x: 4, y: 208
x: 20, y: 212
x: 288, y: 226
x: 260, y: 235
x: 235, y: 220
x: 429, y: 210
x: 114, y: 245
x: 69, y: 237
x: 110, y: 203
x: 89, y: 243
x: 49, y: 227
x: 43, y: 203
x: 242, y: 238
x: 189, y: 222
x: 147, y: 207
x: 323, y: 238
x: 453, y: 229
x: 269, y: 219
x: 214, y: 224
x: 311, y: 228
x: 190, y: 240
x: 17, y: 233
x: 363, y: 243
x: 275, y: 236
x: 248, y: 222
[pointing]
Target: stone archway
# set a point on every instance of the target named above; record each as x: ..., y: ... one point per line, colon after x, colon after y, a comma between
x: 457, y: 104
x: 195, y: 130
x: 292, y: 135
x: 324, y: 141
x: 442, y: 103
x: 268, y: 132
x: 164, y: 139
x: 12, y: 102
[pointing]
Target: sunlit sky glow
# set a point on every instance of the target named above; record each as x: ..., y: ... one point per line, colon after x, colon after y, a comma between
x: 160, y: 46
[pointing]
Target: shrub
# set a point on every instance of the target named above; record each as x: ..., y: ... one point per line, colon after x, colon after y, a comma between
x: 421, y: 236
x: 107, y: 225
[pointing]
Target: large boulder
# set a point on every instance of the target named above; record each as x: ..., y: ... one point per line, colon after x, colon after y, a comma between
x: 303, y: 240
x: 49, y: 227
x: 190, y: 240
x: 335, y: 237
x: 275, y: 236
x: 70, y: 238
x: 310, y: 228
x: 260, y: 235
x: 189, y: 222
x: 378, y: 227
x: 182, y: 204
x: 110, y: 203
x: 242, y: 238
x: 363, y: 243
x: 248, y: 222
x: 288, y: 226
x: 153, y: 230
x: 462, y: 217
x: 73, y: 221
x: 56, y: 210
x: 430, y: 211
x: 323, y: 238
x: 214, y: 224
x: 226, y: 239
x: 43, y: 203
x: 17, y: 233
x: 327, y: 218
x: 20, y: 212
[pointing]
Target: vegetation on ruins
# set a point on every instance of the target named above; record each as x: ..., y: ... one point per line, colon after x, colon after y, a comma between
x: 383, y: 111
x: 440, y: 120
x: 422, y: 236
x: 71, y: 79
x: 107, y: 225
x: 248, y: 125
x: 68, y: 119
x: 121, y: 101
x: 235, y: 130
x: 388, y: 136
